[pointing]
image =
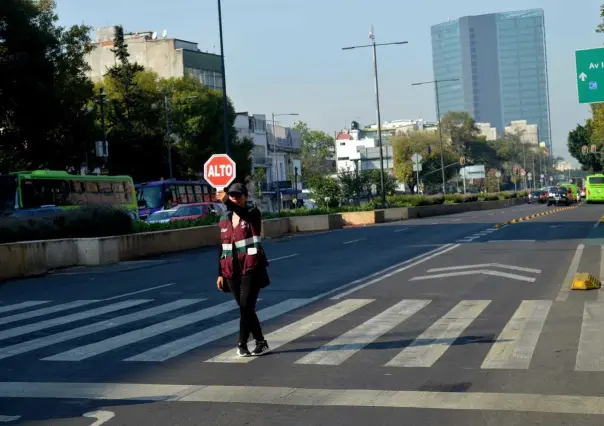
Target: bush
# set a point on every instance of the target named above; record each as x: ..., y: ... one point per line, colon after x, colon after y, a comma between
x: 85, y: 222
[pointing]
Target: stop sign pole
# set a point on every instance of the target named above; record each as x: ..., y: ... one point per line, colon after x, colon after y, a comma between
x: 220, y: 171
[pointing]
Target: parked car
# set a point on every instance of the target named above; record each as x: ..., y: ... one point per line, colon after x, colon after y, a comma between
x: 559, y: 196
x: 194, y: 211
x: 161, y: 216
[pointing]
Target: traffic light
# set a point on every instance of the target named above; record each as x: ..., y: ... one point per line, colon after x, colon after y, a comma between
x: 462, y: 160
x: 584, y: 149
x: 516, y: 170
x: 594, y: 148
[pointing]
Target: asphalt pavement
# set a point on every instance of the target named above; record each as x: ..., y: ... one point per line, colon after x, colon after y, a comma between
x: 452, y: 319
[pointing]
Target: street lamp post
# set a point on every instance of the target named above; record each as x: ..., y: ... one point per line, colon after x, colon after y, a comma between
x: 373, y: 45
x: 225, y: 114
x: 440, y: 128
x: 275, y: 176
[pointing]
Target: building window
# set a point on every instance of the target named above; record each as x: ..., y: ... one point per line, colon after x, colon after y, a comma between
x: 212, y: 79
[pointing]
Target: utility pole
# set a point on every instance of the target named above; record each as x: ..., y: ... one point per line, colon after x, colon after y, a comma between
x: 168, y: 133
x: 102, y: 97
x: 373, y: 45
x: 440, y: 129
x: 225, y: 114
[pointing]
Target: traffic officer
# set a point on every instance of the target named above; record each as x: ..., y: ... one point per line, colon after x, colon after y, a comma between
x: 242, y: 268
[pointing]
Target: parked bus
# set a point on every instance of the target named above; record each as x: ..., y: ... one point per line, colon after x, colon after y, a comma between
x: 32, y: 191
x: 594, y: 188
x: 165, y: 194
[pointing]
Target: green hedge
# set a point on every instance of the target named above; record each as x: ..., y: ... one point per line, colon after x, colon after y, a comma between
x: 85, y: 222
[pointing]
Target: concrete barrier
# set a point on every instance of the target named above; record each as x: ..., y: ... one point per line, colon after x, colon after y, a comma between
x: 362, y: 218
x: 19, y: 260
x: 60, y: 254
x: 274, y: 228
x: 145, y: 244
x: 313, y: 223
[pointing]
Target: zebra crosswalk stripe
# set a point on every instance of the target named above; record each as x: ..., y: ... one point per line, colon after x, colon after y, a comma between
x: 22, y: 305
x: 30, y: 328
x: 590, y: 354
x: 197, y: 340
x: 341, y: 348
x: 434, y: 342
x: 514, y: 347
x: 75, y: 333
x: 45, y: 311
x: 134, y: 336
x: 300, y: 328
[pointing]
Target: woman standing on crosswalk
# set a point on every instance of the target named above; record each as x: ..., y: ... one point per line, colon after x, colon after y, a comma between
x: 243, y: 265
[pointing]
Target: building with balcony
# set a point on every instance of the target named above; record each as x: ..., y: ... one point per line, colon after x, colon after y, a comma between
x: 167, y: 57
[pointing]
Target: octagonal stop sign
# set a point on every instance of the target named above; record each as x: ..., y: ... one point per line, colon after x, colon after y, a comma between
x: 219, y: 171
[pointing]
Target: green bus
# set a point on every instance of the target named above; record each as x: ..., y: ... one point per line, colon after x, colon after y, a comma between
x: 34, y: 190
x: 594, y: 188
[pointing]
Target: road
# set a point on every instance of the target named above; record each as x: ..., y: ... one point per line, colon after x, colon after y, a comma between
x: 446, y: 320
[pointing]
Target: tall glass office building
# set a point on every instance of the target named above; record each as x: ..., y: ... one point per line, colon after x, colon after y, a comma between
x: 500, y: 61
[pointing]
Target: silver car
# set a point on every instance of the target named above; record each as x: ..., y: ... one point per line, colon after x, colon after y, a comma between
x: 162, y: 216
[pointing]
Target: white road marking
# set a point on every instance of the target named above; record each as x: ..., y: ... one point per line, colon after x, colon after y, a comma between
x: 434, y: 342
x: 514, y: 347
x: 196, y: 340
x: 41, y: 342
x: 138, y: 292
x: 283, y: 257
x: 134, y: 336
x: 100, y: 416
x: 572, y: 270
x: 341, y: 348
x: 511, y: 241
x: 382, y: 275
x: 354, y: 241
x: 475, y: 272
x: 6, y: 419
x: 305, y: 397
x: 22, y: 305
x: 486, y: 265
x: 300, y: 328
x: 31, y: 328
x: 46, y: 311
x: 589, y: 355
x: 402, y: 230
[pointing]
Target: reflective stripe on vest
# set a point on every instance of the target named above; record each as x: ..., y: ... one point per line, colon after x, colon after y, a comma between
x: 241, y: 246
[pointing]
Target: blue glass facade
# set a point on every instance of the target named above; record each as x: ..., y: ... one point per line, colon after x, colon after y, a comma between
x: 446, y: 57
x: 500, y: 60
x: 523, y: 69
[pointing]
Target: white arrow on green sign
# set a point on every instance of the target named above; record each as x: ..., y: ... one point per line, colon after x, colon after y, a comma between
x: 590, y: 75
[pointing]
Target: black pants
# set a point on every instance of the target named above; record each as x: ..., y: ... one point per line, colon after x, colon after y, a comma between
x: 246, y: 292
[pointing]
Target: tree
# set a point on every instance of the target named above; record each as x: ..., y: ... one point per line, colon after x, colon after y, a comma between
x: 317, y: 149
x: 459, y: 128
x: 353, y: 185
x: 577, y: 138
x: 426, y: 144
x: 325, y: 191
x: 372, y: 177
x: 43, y: 88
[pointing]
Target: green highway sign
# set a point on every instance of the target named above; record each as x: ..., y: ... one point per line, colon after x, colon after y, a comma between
x: 590, y: 75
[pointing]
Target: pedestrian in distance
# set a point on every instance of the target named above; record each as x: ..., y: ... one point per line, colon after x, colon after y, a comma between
x: 242, y: 268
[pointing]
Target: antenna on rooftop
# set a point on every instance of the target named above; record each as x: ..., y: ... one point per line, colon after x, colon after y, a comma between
x: 164, y: 34
x: 154, y: 36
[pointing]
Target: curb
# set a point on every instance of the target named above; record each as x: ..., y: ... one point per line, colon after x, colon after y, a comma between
x: 533, y: 216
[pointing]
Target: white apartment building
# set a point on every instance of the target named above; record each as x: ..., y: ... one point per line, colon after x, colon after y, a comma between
x: 277, y: 156
x: 528, y: 133
x: 486, y: 130
x: 353, y: 153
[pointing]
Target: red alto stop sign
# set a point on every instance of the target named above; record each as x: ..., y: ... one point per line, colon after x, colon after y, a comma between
x: 219, y: 171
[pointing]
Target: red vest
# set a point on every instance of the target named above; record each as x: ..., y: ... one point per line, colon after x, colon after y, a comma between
x: 245, y: 242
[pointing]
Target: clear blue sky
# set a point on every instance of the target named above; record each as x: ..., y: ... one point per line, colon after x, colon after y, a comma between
x: 285, y: 55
